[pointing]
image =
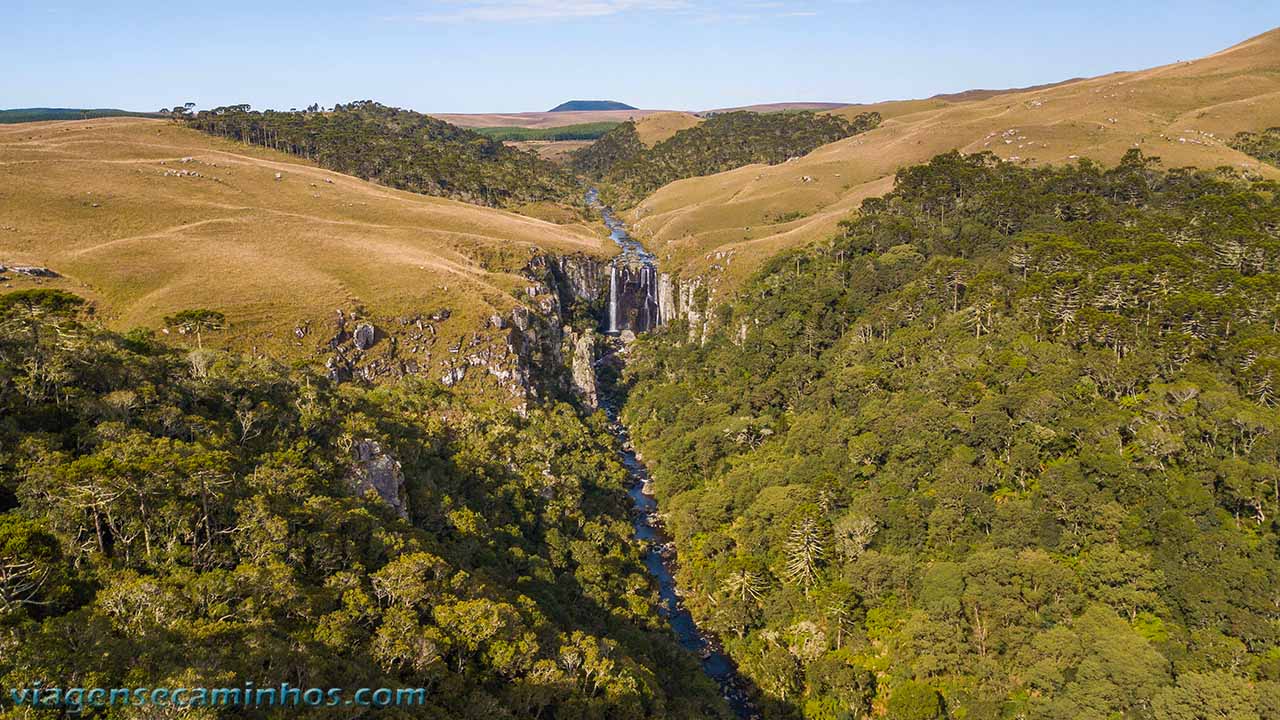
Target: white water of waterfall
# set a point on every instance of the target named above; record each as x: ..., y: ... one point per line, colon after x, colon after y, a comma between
x: 613, y: 298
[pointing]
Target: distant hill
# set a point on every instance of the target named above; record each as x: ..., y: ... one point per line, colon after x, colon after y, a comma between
x: 20, y: 115
x: 590, y: 106
x: 779, y: 107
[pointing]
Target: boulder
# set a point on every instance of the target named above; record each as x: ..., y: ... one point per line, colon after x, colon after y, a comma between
x: 454, y: 376
x: 365, y: 336
x: 375, y: 469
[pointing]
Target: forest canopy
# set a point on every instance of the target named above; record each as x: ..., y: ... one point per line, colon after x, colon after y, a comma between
x: 202, y: 519
x: 1007, y: 446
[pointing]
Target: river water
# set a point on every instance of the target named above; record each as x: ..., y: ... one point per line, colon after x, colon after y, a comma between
x: 659, y: 555
x: 660, y: 558
x: 633, y: 278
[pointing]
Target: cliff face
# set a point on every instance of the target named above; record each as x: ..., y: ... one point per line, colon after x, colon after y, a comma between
x: 583, y: 366
x: 525, y: 351
x: 544, y: 347
x: 682, y: 301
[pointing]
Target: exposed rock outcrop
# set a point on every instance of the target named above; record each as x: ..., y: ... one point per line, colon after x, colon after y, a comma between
x: 692, y: 310
x: 583, y: 367
x: 30, y: 271
x: 375, y: 469
x: 667, y: 308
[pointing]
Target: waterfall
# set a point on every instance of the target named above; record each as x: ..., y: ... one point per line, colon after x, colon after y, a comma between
x: 655, y: 312
x: 613, y: 298
x: 634, y: 299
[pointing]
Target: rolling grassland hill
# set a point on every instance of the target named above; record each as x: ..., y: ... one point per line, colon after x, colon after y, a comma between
x: 653, y: 129
x: 146, y: 218
x: 1185, y: 113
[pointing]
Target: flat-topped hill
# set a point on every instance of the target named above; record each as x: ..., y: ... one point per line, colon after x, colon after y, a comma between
x: 590, y: 106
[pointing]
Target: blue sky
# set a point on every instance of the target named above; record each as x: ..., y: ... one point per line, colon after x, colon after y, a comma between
x: 514, y: 55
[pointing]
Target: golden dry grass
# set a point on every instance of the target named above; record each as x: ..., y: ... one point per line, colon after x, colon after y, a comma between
x: 655, y: 128
x: 1182, y: 113
x: 102, y: 203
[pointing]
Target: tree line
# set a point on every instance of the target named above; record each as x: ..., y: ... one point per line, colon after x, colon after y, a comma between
x: 628, y: 171
x: 398, y: 148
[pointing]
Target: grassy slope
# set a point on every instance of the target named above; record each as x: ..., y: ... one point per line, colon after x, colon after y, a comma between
x: 655, y: 128
x: 721, y: 222
x: 269, y: 253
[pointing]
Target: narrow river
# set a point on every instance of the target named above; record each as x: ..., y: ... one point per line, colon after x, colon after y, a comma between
x: 660, y: 556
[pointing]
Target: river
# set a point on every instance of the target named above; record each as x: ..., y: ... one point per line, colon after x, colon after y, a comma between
x: 659, y: 554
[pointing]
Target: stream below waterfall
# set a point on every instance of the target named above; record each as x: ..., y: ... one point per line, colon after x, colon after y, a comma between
x: 659, y: 551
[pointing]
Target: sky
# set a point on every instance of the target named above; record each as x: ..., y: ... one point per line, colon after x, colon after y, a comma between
x: 529, y: 55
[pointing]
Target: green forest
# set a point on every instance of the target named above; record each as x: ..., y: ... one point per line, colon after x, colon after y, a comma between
x: 581, y: 131
x: 191, y: 518
x: 398, y: 148
x: 628, y: 171
x: 23, y: 115
x: 1008, y: 446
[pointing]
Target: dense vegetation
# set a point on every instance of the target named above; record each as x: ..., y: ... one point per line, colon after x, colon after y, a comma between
x: 189, y: 519
x: 1008, y: 447
x: 1264, y: 145
x: 399, y: 148
x: 628, y: 171
x: 581, y: 131
x: 619, y: 146
x: 21, y: 115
